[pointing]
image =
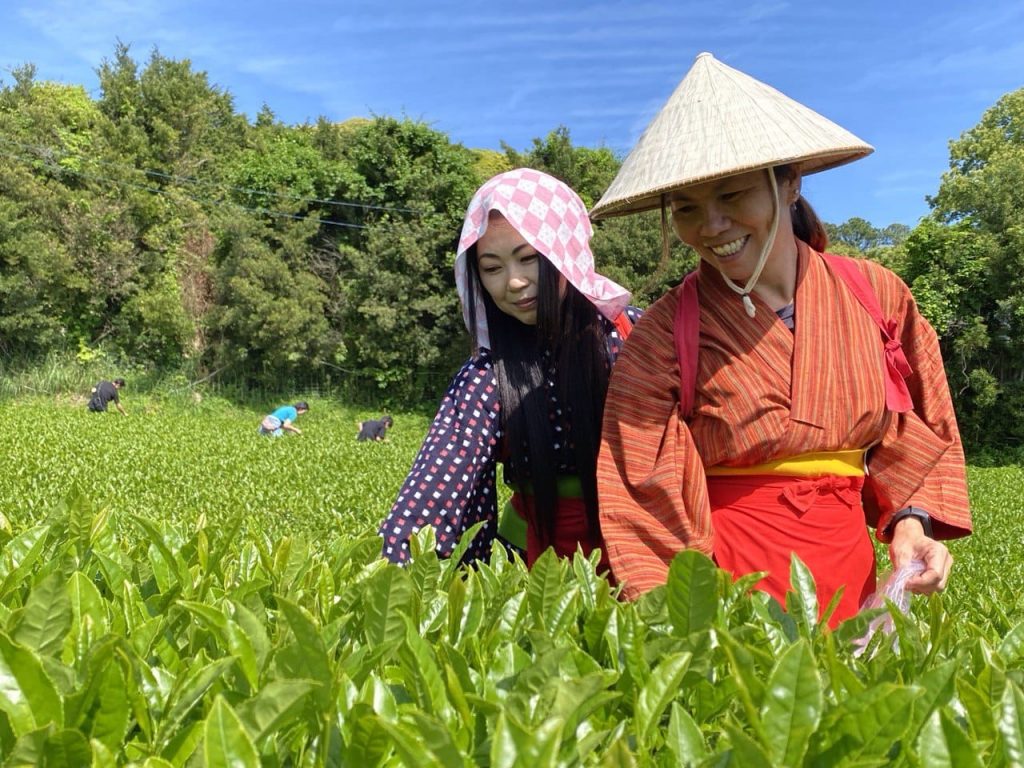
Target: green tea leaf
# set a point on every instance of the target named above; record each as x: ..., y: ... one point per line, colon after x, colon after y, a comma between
x: 802, y: 598
x: 173, y: 564
x: 274, y: 707
x: 231, y: 637
x: 421, y: 672
x: 189, y: 692
x: 255, y: 630
x: 27, y: 695
x: 225, y: 742
x: 792, y: 705
x: 47, y: 617
x: 866, y: 726
x: 19, y: 556
x: 1011, y: 647
x: 661, y: 688
x: 745, y: 751
x: 66, y: 749
x: 307, y: 658
x: 387, y: 598
x: 547, y: 588
x: 684, y: 738
x: 108, y: 720
x: 85, y: 600
x: 102, y: 756
x: 692, y: 592
x: 516, y: 745
x: 1010, y: 722
x: 942, y: 744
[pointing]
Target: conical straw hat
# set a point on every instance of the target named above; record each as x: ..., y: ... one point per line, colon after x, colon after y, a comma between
x: 720, y: 122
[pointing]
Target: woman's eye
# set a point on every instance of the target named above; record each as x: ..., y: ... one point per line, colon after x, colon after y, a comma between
x: 733, y: 194
x: 528, y: 258
x: 685, y: 210
x: 491, y: 270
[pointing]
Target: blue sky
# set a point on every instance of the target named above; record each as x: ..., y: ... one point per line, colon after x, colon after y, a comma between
x: 905, y: 75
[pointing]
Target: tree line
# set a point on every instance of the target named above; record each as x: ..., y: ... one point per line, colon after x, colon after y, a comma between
x: 156, y: 223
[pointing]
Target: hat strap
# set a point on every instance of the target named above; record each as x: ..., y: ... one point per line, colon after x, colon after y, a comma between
x: 748, y: 304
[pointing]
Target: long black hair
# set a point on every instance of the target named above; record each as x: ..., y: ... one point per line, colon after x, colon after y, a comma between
x: 565, y: 355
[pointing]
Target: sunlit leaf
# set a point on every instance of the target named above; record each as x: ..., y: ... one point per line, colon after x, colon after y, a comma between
x: 692, y: 592
x: 793, y: 704
x: 225, y: 742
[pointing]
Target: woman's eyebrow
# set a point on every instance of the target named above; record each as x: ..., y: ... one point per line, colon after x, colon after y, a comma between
x: 515, y: 250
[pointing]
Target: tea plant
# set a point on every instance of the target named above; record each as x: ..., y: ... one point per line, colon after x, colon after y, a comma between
x: 250, y: 621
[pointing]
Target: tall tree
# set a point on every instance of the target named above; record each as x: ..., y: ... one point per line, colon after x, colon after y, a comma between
x: 968, y: 263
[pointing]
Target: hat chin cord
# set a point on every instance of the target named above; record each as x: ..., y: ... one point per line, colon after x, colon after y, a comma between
x: 748, y: 303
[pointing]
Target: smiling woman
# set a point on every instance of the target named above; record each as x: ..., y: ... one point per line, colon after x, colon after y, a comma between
x: 729, y: 222
x: 546, y: 330
x: 781, y: 399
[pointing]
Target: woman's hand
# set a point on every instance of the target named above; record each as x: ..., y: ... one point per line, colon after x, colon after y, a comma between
x: 910, y: 543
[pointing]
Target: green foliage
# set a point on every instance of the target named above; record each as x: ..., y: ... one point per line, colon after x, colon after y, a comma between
x: 402, y: 316
x: 489, y: 163
x: 186, y: 643
x: 269, y: 315
x: 174, y: 460
x: 396, y: 301
x: 158, y: 224
x: 630, y: 250
x: 154, y: 322
x: 198, y: 606
x: 966, y: 267
x: 860, y: 235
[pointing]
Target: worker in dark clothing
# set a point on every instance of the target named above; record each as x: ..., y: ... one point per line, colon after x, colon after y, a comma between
x: 104, y: 393
x: 374, y: 429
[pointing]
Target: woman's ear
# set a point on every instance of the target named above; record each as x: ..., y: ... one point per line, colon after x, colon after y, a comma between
x: 791, y: 187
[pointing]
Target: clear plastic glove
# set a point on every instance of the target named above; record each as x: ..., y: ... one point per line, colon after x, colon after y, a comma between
x: 894, y: 588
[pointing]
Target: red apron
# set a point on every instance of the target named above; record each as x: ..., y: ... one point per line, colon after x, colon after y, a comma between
x: 760, y: 520
x: 571, y: 530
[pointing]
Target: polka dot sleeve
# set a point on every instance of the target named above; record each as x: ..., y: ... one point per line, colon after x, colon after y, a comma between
x: 451, y: 486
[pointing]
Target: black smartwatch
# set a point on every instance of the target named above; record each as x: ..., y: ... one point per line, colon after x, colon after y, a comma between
x: 920, y: 514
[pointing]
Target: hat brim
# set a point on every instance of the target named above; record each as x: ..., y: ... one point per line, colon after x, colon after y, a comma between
x: 652, y: 199
x: 720, y: 122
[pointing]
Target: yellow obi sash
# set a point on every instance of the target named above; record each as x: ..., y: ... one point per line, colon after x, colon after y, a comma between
x: 837, y: 463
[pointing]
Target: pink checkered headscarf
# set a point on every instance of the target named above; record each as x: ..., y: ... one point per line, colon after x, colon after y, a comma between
x: 553, y: 220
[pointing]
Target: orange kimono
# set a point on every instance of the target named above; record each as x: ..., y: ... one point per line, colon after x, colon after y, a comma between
x: 764, y: 393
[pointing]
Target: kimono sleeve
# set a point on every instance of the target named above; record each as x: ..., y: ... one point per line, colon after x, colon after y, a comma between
x: 651, y: 484
x: 920, y: 459
x: 451, y: 485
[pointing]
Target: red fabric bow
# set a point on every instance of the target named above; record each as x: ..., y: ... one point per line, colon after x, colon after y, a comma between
x: 801, y: 495
x: 897, y: 393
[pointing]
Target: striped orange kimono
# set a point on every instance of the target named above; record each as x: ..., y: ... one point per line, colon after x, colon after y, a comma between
x: 765, y: 393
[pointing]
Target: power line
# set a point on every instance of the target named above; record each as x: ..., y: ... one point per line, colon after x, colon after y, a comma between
x: 202, y: 201
x: 44, y: 150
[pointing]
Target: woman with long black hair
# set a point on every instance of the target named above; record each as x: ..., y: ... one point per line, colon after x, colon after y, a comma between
x: 546, y: 329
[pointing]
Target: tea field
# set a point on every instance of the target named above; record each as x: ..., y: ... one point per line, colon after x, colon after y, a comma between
x: 176, y: 590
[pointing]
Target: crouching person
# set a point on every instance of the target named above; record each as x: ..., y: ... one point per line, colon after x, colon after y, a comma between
x: 375, y: 429
x: 283, y: 420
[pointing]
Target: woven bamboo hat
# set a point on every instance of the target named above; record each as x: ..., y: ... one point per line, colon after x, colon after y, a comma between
x: 717, y: 123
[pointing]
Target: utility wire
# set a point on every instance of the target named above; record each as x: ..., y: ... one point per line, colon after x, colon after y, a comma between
x: 202, y: 201
x: 44, y: 150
